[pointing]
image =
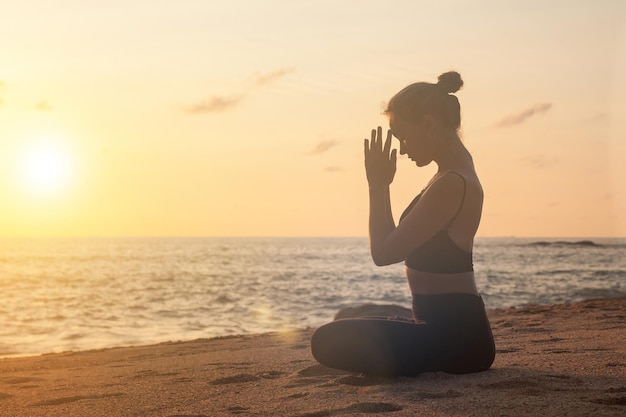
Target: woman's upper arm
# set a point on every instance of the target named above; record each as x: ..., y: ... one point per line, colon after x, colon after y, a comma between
x: 432, y: 213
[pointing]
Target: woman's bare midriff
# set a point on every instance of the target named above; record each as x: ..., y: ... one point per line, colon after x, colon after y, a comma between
x: 427, y: 283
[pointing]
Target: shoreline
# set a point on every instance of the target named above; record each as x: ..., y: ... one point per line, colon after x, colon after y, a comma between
x: 376, y: 311
x: 552, y: 360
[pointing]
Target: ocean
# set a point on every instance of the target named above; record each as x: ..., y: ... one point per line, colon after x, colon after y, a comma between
x: 88, y: 293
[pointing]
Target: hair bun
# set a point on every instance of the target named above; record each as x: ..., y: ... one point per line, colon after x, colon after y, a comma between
x: 450, y: 82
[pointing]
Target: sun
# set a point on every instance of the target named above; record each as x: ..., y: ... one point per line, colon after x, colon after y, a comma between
x: 45, y: 166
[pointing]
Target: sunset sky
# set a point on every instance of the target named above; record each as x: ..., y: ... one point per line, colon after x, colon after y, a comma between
x: 247, y: 118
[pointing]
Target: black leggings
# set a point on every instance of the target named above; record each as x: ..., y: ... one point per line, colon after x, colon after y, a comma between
x: 451, y: 334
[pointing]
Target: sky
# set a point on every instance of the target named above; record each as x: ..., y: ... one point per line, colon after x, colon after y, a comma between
x: 247, y: 118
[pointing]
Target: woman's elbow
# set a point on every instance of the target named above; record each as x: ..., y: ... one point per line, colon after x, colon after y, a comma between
x: 379, y: 262
x: 382, y: 259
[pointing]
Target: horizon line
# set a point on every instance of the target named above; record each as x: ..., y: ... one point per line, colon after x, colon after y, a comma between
x: 280, y: 237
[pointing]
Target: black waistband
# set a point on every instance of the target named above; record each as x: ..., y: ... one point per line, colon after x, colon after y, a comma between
x: 447, y: 307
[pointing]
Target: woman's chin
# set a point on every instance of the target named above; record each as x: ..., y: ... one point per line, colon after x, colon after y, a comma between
x: 420, y: 162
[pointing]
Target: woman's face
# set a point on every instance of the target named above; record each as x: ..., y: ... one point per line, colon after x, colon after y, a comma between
x: 414, y: 140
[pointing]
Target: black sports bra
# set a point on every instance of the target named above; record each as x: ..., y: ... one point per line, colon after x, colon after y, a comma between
x: 440, y: 254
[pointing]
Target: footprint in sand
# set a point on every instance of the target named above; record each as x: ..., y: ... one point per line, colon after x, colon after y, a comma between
x: 298, y: 395
x: 567, y: 378
x: 188, y: 415
x: 20, y: 380
x: 316, y: 414
x: 320, y: 370
x: 365, y: 407
x: 435, y: 395
x: 370, y: 408
x: 237, y: 379
x: 610, y: 400
x: 270, y: 374
x: 510, y: 384
x: 550, y: 340
x: 315, y: 374
x: 238, y: 410
x: 364, y: 380
x: 534, y: 330
x: 556, y: 351
x: 300, y: 347
x: 507, y: 350
x: 152, y: 373
x: 65, y: 400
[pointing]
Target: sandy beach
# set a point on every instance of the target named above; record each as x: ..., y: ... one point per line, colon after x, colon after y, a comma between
x: 558, y: 360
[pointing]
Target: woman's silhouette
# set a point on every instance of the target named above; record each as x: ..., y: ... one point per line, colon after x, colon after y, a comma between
x: 434, y: 238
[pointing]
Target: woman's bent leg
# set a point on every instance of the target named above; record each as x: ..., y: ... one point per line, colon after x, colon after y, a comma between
x: 376, y: 346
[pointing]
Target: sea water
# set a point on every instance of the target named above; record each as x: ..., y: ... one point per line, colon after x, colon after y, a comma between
x: 74, y: 294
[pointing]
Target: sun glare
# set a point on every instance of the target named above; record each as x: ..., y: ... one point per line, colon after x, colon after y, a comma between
x: 45, y: 166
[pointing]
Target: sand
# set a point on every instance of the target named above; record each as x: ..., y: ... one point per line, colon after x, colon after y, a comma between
x: 558, y: 360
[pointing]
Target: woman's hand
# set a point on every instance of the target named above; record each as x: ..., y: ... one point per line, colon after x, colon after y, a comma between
x: 380, y: 165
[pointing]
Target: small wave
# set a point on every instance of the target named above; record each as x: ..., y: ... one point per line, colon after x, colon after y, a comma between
x: 74, y: 336
x: 224, y: 299
x: 587, y: 293
x: 603, y: 273
x: 584, y: 243
x: 11, y: 353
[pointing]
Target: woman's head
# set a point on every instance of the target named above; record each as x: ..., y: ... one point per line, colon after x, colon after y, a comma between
x: 419, y: 99
x: 421, y: 114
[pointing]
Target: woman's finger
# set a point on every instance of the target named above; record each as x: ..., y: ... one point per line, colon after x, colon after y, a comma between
x: 379, y: 141
x: 387, y: 143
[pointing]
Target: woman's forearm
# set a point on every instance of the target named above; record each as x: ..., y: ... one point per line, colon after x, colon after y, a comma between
x: 381, y: 222
x: 380, y: 168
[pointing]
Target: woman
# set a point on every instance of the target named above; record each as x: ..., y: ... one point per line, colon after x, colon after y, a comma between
x: 434, y: 238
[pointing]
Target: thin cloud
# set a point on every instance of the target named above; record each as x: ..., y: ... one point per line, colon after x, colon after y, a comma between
x: 334, y: 168
x: 43, y: 106
x: 264, y: 79
x: 521, y: 117
x: 217, y: 104
x: 214, y: 104
x: 599, y: 117
x: 541, y: 161
x: 322, y: 147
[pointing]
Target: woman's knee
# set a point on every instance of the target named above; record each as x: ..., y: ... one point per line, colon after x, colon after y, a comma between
x: 323, y: 342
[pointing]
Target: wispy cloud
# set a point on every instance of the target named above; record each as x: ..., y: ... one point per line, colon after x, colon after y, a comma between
x: 263, y: 79
x: 334, y: 168
x: 213, y: 104
x: 540, y: 161
x: 220, y: 103
x: 598, y: 117
x: 43, y: 105
x: 322, y: 146
x: 521, y: 117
